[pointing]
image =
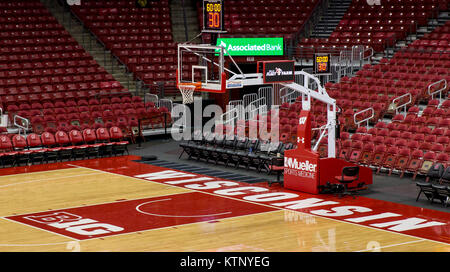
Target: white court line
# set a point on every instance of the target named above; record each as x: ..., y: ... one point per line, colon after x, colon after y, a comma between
x: 37, y: 180
x: 37, y: 172
x: 261, y: 204
x: 168, y: 215
x: 29, y: 245
x: 393, y: 245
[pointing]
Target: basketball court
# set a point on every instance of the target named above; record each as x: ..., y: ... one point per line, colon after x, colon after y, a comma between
x: 133, y: 204
x: 123, y: 204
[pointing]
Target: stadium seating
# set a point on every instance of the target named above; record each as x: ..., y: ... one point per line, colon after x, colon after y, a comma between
x: 377, y: 26
x: 140, y: 37
x: 48, y: 78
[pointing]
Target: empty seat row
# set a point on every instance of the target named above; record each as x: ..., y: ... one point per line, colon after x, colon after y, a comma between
x: 123, y: 29
x: 16, y: 149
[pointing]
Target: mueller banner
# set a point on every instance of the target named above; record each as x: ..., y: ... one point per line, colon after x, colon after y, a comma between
x: 301, y: 165
x: 278, y: 71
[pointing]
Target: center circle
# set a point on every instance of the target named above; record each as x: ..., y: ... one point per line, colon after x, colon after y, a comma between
x: 156, y: 208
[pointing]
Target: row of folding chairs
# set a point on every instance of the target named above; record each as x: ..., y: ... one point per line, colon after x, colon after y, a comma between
x: 48, y: 147
x: 434, y: 192
x: 434, y: 188
x: 232, y: 150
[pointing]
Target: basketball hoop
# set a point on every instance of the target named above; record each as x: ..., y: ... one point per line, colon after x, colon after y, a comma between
x: 187, y: 91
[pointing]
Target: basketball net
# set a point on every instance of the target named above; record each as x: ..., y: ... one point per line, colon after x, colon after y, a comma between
x: 187, y: 91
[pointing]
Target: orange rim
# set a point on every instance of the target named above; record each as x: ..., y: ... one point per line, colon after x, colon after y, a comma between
x: 197, y: 84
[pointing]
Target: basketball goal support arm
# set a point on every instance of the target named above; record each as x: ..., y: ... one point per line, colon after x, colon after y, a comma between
x: 322, y: 96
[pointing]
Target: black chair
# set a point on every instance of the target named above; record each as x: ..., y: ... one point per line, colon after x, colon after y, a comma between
x: 446, y: 175
x: 207, y: 147
x: 276, y: 165
x: 227, y: 150
x: 242, y: 149
x: 250, y: 158
x: 426, y: 189
x: 349, y: 175
x: 441, y: 192
x: 274, y: 150
x: 232, y: 155
x: 191, y: 144
x: 435, y: 172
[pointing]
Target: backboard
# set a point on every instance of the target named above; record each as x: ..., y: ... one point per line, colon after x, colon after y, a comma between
x: 202, y: 63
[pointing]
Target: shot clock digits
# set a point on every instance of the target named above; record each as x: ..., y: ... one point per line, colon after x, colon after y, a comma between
x: 213, y: 16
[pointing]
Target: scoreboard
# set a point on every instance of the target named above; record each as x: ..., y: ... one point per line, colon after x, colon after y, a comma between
x: 322, y: 64
x: 213, y: 16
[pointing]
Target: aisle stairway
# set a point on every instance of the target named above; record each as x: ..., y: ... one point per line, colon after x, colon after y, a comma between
x: 91, y: 44
x: 331, y: 18
x: 178, y: 15
x: 433, y: 23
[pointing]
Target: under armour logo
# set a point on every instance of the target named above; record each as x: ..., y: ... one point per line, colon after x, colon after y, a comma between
x: 300, y: 140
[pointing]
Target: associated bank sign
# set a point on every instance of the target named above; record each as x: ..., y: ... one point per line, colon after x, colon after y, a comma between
x: 252, y: 46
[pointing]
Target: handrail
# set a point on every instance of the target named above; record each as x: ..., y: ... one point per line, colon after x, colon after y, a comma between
x: 323, y: 129
x: 165, y: 103
x: 257, y: 108
x: 439, y: 90
x: 151, y: 98
x: 363, y: 53
x: 366, y: 119
x: 402, y: 105
x: 239, y: 106
x: 224, y: 117
x: 24, y: 121
x: 289, y: 97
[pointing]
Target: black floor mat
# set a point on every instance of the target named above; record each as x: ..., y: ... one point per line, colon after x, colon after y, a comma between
x: 204, y: 171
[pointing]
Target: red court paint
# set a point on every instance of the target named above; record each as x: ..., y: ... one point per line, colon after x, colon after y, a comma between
x: 378, y: 214
x: 138, y: 215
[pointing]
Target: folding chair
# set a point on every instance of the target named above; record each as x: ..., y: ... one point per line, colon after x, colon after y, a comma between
x: 104, y: 137
x: 120, y: 145
x: 63, y: 140
x: 80, y: 148
x: 435, y: 172
x: 91, y: 140
x: 426, y: 189
x: 49, y: 142
x: 349, y: 174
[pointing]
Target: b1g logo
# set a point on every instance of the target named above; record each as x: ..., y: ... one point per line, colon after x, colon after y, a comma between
x: 74, y: 2
x: 74, y: 223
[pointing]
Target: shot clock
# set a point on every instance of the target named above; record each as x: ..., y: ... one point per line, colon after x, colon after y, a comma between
x: 322, y: 64
x: 213, y: 16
